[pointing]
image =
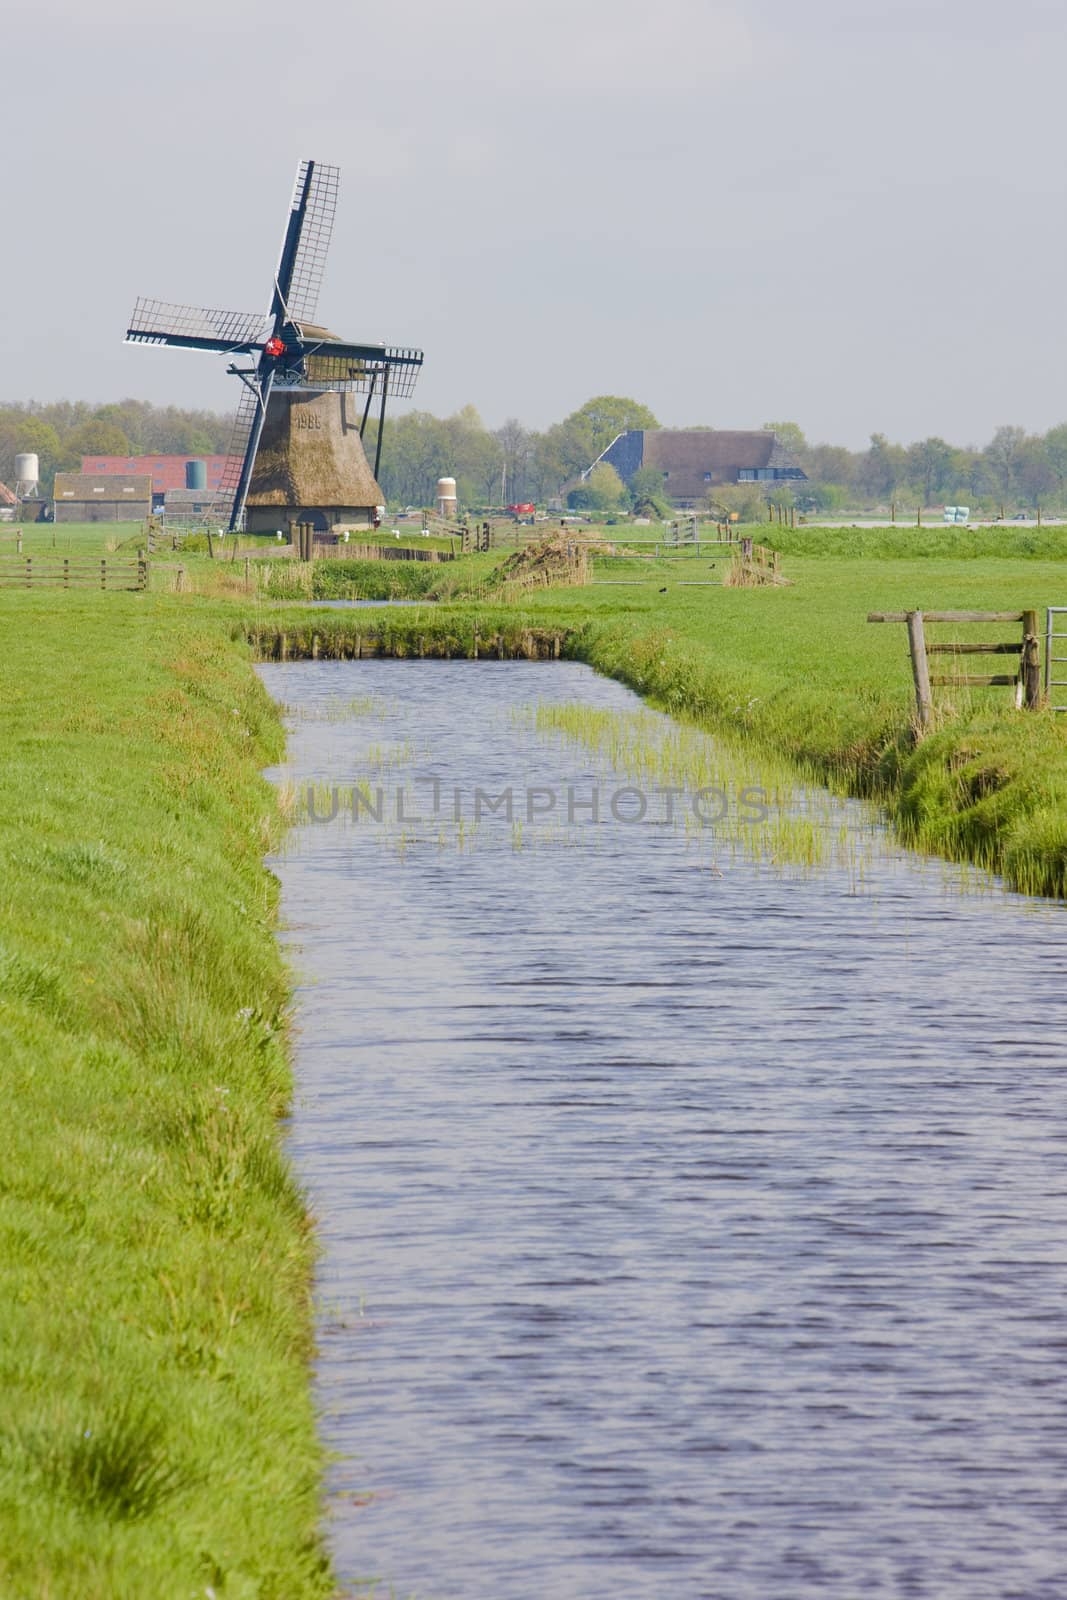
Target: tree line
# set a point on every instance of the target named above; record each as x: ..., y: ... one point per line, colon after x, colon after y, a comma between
x: 1014, y: 469
x: 515, y: 464
x: 61, y: 432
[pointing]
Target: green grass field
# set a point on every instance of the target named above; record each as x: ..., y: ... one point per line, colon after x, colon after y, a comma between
x: 157, y: 1436
x: 70, y: 538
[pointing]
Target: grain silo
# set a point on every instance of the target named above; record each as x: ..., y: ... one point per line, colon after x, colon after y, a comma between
x: 447, y: 505
x: 27, y: 475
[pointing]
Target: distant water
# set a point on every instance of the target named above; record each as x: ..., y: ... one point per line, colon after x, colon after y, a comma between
x: 689, y: 1230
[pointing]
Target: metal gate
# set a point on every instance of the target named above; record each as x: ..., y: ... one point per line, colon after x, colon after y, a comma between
x: 1054, y: 636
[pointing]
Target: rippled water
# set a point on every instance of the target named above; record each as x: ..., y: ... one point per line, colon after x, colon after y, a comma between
x: 690, y: 1228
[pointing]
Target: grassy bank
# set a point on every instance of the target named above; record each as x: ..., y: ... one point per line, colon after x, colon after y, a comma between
x: 157, y: 1436
x: 801, y: 671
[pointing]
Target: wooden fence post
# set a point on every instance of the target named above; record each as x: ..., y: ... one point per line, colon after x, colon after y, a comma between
x: 920, y: 667
x: 103, y: 574
x: 1031, y: 662
x: 248, y: 575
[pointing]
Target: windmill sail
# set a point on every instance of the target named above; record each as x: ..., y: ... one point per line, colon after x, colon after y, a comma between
x: 224, y: 508
x: 336, y: 364
x: 307, y: 241
x: 195, y: 327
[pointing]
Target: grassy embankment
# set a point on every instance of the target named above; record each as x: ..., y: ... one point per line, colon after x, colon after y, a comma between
x: 157, y: 1437
x: 800, y: 671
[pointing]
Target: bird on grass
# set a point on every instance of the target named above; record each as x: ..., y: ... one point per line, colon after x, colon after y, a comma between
x: 664, y: 589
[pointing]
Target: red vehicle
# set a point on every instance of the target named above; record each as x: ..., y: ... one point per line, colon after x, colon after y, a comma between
x: 524, y: 509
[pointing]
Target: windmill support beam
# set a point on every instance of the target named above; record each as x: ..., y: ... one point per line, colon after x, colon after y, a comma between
x: 366, y: 408
x: 381, y: 423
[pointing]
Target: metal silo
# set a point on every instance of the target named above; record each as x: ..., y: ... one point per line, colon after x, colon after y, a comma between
x: 27, y: 474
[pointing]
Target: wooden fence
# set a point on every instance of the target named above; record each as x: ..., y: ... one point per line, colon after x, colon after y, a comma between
x: 754, y: 564
x: 1026, y: 679
x: 72, y: 572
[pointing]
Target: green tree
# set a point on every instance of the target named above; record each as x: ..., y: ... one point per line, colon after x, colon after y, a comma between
x: 883, y: 468
x: 742, y: 500
x: 94, y: 439
x: 931, y: 465
x: 470, y: 447
x: 552, y: 463
x: 1004, y: 454
x: 1035, y: 476
x: 603, y: 491
x: 587, y: 432
x: 1056, y: 452
x: 516, y: 448
x: 830, y: 463
x: 790, y: 436
x: 647, y: 493
x: 42, y: 440
x: 822, y: 497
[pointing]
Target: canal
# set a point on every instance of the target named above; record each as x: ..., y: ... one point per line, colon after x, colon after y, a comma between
x: 691, y: 1188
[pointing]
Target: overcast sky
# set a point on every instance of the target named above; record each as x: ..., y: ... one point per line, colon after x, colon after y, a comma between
x: 849, y: 213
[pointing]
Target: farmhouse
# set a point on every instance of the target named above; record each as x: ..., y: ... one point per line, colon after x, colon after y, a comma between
x: 102, y: 497
x: 694, y: 461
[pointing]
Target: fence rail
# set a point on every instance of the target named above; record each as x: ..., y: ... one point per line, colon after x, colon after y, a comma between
x: 754, y: 564
x: 71, y: 572
x: 1026, y: 680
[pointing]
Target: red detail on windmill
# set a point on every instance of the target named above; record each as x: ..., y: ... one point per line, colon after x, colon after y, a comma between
x: 274, y: 347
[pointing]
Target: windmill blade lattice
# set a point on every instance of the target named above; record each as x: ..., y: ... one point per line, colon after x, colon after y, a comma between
x: 196, y: 327
x: 240, y: 435
x: 362, y: 367
x: 301, y: 292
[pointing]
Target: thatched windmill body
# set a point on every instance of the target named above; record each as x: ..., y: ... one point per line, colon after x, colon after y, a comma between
x: 296, y: 454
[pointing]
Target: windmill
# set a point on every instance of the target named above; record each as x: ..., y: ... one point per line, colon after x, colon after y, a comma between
x: 295, y: 450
